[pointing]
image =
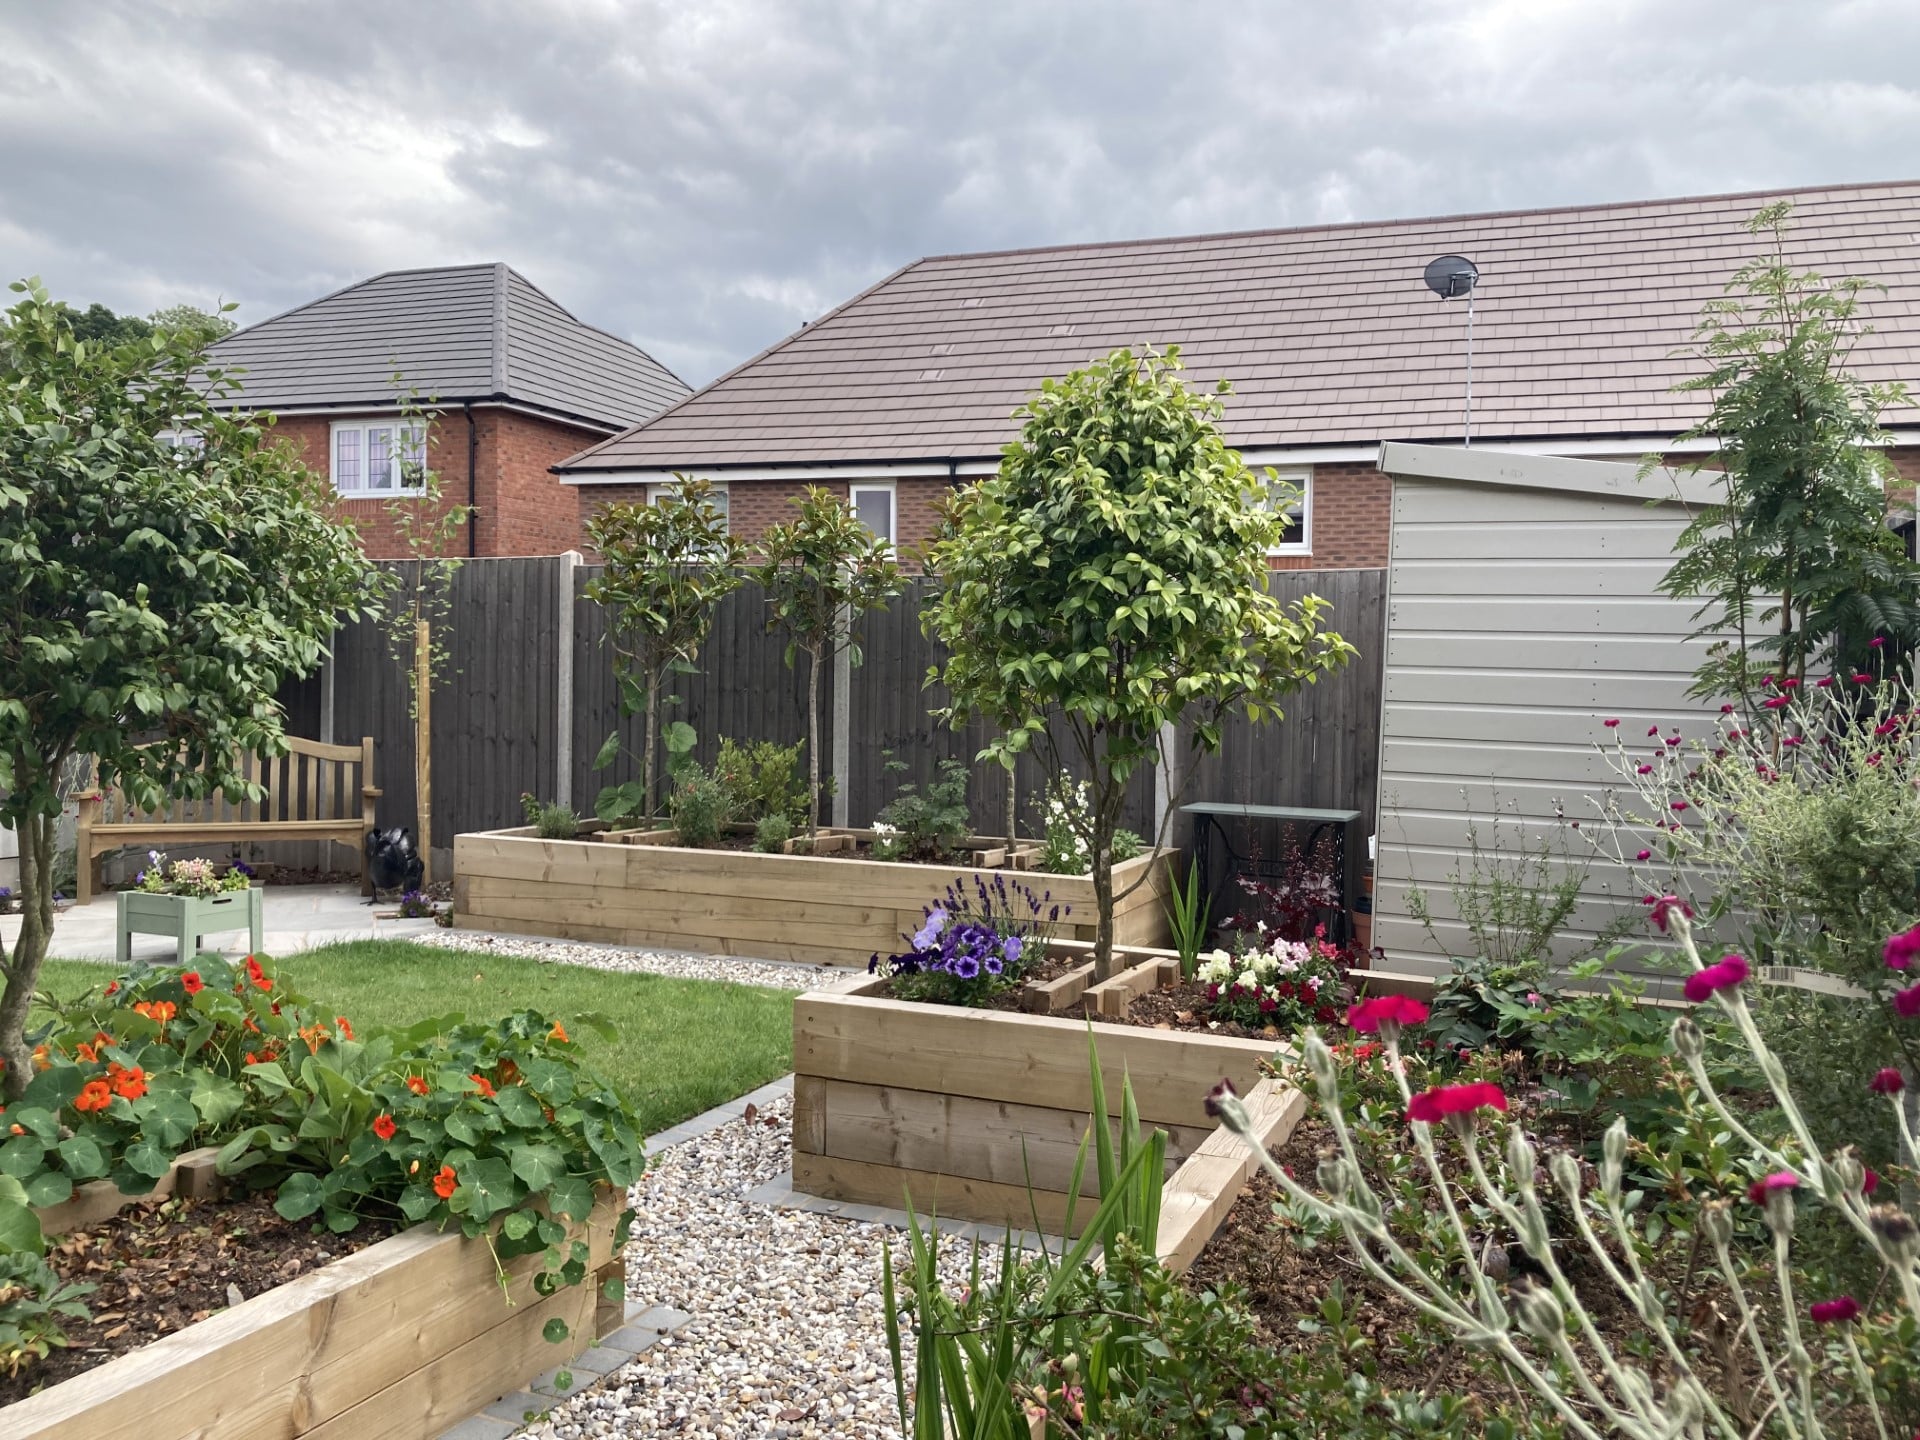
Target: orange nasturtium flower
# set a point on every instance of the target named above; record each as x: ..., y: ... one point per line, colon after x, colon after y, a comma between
x: 158, y: 1011
x: 445, y: 1183
x: 86, y: 1052
x: 486, y: 1085
x: 128, y: 1084
x: 559, y: 1032
x: 384, y: 1127
x: 417, y: 1084
x: 346, y: 1030
x: 506, y: 1073
x: 314, y: 1035
x: 94, y: 1095
x: 40, y: 1061
x: 192, y: 983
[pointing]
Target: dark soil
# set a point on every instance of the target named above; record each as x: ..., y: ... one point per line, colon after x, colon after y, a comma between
x: 1184, y: 1007
x: 161, y: 1266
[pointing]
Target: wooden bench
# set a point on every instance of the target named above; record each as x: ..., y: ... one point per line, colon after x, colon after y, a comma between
x: 313, y: 792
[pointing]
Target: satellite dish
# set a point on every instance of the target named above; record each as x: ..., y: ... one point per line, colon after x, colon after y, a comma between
x: 1452, y: 276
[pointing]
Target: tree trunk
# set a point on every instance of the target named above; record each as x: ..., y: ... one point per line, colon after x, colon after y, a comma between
x: 649, y: 769
x: 423, y: 743
x: 813, y: 744
x: 23, y: 966
x: 1104, y: 967
x: 1013, y: 809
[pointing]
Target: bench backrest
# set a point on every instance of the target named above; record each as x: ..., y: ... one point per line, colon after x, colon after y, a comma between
x: 311, y: 781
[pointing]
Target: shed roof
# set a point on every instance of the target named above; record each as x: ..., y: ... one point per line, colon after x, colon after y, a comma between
x: 1327, y: 333
x: 456, y: 333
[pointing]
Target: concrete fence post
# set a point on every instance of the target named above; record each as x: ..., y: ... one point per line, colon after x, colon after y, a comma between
x: 563, y: 684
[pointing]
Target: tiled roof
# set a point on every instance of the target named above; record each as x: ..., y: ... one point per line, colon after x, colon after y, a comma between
x: 462, y: 332
x: 1328, y: 334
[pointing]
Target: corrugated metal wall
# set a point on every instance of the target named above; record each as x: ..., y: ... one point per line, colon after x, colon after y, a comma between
x: 1522, y: 611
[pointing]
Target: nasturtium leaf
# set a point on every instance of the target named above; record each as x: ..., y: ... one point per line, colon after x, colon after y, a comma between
x: 49, y: 1187
x: 571, y: 1196
x: 84, y: 1159
x: 19, y: 1227
x: 555, y: 1330
x: 487, y: 1188
x: 538, y: 1166
x: 519, y: 1224
x: 146, y: 1158
x: 299, y: 1196
x: 23, y: 1156
x: 520, y: 1108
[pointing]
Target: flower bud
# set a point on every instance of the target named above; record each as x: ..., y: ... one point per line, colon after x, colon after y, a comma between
x: 1844, y: 1173
x: 1538, y: 1311
x: 1521, y: 1159
x: 1716, y: 1220
x: 1565, y: 1170
x: 1320, y: 1061
x: 1614, y: 1145
x: 1688, y: 1042
x: 1069, y: 1363
x: 1896, y: 1231
x: 1333, y: 1176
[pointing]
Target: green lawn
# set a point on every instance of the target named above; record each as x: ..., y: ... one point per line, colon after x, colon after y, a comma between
x: 684, y: 1045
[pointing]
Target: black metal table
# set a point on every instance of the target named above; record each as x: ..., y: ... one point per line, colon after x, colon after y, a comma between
x: 1211, y: 818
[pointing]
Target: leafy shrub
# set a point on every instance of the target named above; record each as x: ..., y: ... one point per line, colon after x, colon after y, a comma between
x: 698, y: 806
x: 33, y: 1303
x: 772, y: 832
x: 763, y: 779
x: 188, y: 877
x: 550, y: 821
x: 1066, y: 820
x: 625, y: 805
x: 1541, y: 1325
x: 928, y: 824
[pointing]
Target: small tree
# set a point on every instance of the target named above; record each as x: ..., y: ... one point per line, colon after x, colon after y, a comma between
x: 420, y: 600
x: 1800, y: 544
x: 151, y: 590
x: 821, y: 573
x: 1110, y: 581
x: 668, y: 565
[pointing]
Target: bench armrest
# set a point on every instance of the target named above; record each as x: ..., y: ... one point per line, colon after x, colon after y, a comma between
x: 372, y: 792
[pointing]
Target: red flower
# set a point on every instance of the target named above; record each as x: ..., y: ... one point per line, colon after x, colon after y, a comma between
x: 1823, y: 682
x: 1725, y: 975
x: 1906, y: 1003
x: 445, y: 1183
x: 346, y: 1030
x: 1860, y: 678
x: 1834, y: 1312
x: 127, y: 1084
x: 1790, y: 683
x: 1665, y: 906
x: 113, y: 988
x: 192, y: 983
x: 1643, y: 770
x: 558, y: 1032
x: 1653, y: 729
x: 1678, y: 806
x: 1609, y: 723
x: 1870, y: 1181
x: 485, y: 1085
x: 1726, y: 709
x: 1780, y: 1180
x: 1887, y: 1082
x: 1443, y: 1100
x: 384, y: 1127
x: 258, y: 976
x: 1877, y: 641
x: 1900, y: 950
x: 94, y: 1095
x: 1776, y: 702
x: 417, y: 1084
x: 1644, y: 855
x: 1367, y: 1016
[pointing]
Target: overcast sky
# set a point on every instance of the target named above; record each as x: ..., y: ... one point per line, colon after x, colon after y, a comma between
x: 702, y: 178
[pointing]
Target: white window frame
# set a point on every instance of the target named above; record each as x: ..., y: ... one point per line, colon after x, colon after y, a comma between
x: 883, y: 487
x: 395, y: 456
x: 1301, y: 478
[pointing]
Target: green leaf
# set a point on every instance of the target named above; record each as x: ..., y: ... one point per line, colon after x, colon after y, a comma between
x: 571, y: 1196
x: 216, y: 1098
x: 19, y: 1226
x: 299, y: 1196
x: 417, y: 1202
x: 538, y: 1166
x: 146, y: 1158
x: 520, y: 1108
x: 519, y: 1224
x: 486, y: 1189
x: 49, y: 1187
x: 22, y: 1156
x: 83, y: 1159
x: 460, y: 1126
x: 555, y: 1330
x: 609, y: 751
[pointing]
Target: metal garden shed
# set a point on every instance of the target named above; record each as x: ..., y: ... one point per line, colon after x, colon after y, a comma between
x: 1522, y: 612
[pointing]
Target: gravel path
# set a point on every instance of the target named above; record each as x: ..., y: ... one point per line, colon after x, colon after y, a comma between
x: 788, y: 1337
x: 654, y: 962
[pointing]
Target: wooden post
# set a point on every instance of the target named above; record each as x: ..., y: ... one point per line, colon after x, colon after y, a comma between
x: 423, y: 743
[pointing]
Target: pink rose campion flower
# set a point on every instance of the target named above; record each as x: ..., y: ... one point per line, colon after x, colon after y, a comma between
x: 1860, y: 678
x: 1901, y: 950
x: 1730, y: 971
x: 1776, y: 702
x: 1610, y: 724
x: 1726, y: 709
x: 1644, y: 770
x: 1877, y: 641
x: 1780, y: 1180
x: 1906, y: 1003
x: 1367, y: 1016
x: 1643, y: 855
x: 1665, y: 906
x: 1887, y: 1082
x: 1433, y: 1105
x: 1836, y: 1311
x: 1824, y: 682
x: 1678, y: 806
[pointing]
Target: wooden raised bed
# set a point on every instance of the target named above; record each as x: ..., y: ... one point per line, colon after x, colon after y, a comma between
x: 820, y: 909
x: 958, y: 1111
x: 396, y: 1342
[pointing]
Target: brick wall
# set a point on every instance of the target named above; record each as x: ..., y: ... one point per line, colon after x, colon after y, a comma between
x: 756, y: 504
x: 522, y: 509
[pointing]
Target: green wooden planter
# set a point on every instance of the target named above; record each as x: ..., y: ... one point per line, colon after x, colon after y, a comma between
x: 186, y: 918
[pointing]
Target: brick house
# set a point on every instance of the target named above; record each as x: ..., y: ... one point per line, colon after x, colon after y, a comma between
x: 515, y: 384
x: 1330, y: 338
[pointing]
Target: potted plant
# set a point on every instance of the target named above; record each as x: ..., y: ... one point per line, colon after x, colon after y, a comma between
x: 187, y: 899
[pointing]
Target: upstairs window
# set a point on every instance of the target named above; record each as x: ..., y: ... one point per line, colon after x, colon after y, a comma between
x: 1297, y: 538
x: 378, y: 457
x: 874, y: 506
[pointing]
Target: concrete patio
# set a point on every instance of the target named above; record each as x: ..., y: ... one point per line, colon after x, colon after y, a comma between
x: 296, y: 917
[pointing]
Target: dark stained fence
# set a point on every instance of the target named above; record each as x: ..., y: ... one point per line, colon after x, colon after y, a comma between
x: 497, y: 713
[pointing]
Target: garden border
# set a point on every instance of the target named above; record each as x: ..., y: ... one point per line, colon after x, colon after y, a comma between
x: 819, y: 909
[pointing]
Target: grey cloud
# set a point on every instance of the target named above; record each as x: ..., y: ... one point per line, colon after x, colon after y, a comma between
x: 702, y: 178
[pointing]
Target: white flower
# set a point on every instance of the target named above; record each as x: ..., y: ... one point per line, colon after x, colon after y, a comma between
x: 881, y: 829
